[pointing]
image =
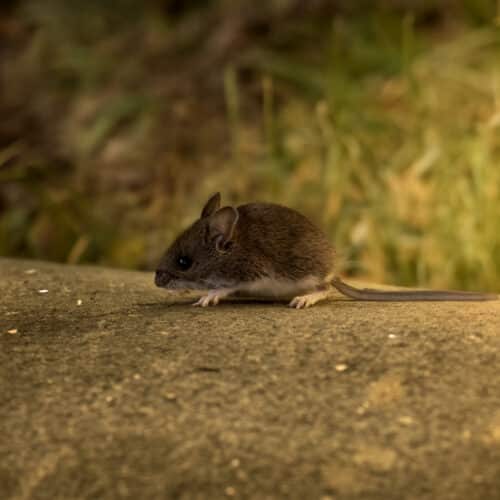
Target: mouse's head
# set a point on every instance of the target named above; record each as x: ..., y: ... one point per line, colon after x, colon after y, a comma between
x: 198, y: 258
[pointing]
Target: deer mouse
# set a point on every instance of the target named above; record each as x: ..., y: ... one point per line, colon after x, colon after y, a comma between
x: 267, y: 251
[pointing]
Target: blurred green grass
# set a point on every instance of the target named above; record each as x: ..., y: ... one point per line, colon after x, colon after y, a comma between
x: 380, y: 125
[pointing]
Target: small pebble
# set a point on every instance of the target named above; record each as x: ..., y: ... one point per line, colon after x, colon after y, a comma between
x: 391, y: 336
x: 43, y: 290
x: 171, y: 396
x: 361, y: 410
x: 79, y: 302
x: 230, y: 491
x: 12, y: 331
x: 30, y: 271
x: 136, y: 376
x: 341, y: 367
x: 235, y: 463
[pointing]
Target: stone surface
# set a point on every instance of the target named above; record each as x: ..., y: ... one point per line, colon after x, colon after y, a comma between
x: 110, y: 390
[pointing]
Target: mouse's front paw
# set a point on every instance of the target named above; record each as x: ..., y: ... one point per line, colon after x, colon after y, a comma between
x: 212, y: 298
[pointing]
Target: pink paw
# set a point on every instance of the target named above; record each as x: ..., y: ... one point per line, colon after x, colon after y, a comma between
x: 212, y: 298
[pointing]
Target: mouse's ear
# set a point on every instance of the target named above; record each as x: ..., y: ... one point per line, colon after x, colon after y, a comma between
x: 221, y: 227
x: 211, y: 205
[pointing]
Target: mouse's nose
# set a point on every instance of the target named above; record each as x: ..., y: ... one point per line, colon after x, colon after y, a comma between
x: 161, y: 277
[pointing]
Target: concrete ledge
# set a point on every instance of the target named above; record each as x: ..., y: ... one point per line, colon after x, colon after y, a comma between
x: 126, y: 395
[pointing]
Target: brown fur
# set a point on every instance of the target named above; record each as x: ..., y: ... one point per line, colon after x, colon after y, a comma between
x: 268, y: 242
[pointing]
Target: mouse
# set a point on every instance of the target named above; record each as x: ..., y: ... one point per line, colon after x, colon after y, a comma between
x: 271, y: 252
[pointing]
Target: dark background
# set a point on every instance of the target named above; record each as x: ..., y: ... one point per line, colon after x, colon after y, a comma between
x: 379, y: 120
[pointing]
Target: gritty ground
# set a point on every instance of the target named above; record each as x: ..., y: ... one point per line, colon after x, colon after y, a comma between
x: 109, y: 390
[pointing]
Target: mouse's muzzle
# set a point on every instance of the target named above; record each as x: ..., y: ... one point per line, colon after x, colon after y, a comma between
x: 162, y: 278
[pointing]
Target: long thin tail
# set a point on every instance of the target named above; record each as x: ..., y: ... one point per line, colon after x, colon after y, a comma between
x: 410, y: 295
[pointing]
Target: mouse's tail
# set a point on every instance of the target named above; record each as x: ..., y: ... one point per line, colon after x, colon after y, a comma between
x: 408, y: 295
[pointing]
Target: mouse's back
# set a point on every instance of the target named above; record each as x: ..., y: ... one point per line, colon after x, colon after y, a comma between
x: 287, y: 244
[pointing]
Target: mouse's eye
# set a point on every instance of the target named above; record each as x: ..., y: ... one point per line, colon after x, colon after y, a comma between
x: 184, y: 262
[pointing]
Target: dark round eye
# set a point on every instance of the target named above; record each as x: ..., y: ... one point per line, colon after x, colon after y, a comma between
x: 184, y: 262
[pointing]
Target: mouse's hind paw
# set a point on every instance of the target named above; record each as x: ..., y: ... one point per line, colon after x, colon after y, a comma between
x: 308, y: 300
